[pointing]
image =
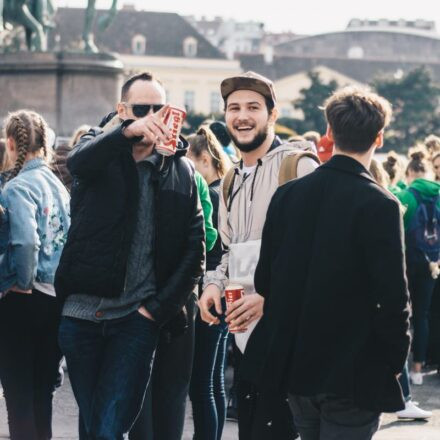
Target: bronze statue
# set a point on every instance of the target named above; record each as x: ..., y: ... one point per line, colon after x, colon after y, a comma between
x: 34, y: 15
x: 103, y: 23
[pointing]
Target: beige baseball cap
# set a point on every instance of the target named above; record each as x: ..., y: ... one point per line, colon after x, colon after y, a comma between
x: 249, y: 81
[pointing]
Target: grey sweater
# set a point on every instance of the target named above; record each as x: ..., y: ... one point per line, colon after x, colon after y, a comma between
x: 140, y: 280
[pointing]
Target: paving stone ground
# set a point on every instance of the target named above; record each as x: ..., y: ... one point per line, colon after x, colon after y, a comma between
x: 428, y: 396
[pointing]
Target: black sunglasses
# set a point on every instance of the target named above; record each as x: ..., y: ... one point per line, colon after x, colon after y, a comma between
x: 141, y: 110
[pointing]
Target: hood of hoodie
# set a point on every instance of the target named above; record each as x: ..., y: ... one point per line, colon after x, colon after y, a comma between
x: 282, y: 148
x: 426, y: 188
x: 112, y: 120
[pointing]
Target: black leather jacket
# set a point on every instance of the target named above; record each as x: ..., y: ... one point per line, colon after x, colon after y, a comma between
x: 104, y: 206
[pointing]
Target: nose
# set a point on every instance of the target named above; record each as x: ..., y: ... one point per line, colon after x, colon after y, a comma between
x: 242, y: 115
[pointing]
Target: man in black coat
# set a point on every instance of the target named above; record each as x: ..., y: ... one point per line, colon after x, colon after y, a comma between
x: 332, y: 271
x: 134, y: 253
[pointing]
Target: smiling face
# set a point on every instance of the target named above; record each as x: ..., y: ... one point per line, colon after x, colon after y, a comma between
x: 248, y: 120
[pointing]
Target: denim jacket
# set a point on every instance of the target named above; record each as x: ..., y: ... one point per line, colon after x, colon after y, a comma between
x: 34, y: 226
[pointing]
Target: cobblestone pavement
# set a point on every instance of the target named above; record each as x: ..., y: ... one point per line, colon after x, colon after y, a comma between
x: 428, y: 395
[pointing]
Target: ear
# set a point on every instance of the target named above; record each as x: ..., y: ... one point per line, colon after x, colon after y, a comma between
x: 122, y: 111
x: 274, y: 115
x: 329, y: 134
x: 379, y: 141
x: 11, y: 145
x: 206, y: 158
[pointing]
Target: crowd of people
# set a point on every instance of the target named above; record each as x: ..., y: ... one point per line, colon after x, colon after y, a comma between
x: 116, y: 257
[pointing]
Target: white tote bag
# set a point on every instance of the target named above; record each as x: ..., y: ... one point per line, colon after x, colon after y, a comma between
x: 243, y: 260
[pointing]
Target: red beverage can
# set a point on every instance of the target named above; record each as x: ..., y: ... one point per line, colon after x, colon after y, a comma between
x: 233, y: 292
x: 174, y: 121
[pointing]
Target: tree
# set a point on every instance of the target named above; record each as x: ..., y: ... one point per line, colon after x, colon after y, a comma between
x: 311, y: 101
x: 415, y: 100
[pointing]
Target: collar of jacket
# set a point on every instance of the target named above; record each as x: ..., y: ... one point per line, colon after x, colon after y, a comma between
x: 348, y: 165
x: 276, y: 143
x: 33, y: 163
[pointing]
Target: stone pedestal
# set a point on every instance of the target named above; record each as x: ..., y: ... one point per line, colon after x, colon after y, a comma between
x: 68, y: 89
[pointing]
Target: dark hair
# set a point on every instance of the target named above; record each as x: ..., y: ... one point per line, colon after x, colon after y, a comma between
x: 144, y: 76
x: 204, y: 140
x: 220, y: 132
x: 270, y: 105
x: 356, y: 117
x: 418, y: 162
x: 394, y: 167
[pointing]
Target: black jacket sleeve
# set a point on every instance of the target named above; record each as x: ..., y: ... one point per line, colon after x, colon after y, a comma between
x: 262, y: 278
x: 170, y: 299
x: 382, y: 231
x: 96, y: 149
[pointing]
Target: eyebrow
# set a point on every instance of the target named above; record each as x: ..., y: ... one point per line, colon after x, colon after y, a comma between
x: 246, y: 103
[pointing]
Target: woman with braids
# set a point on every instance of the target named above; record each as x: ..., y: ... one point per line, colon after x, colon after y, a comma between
x: 207, y: 391
x: 36, y: 215
x: 422, y: 236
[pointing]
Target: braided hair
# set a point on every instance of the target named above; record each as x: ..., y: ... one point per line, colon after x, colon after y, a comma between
x: 205, y: 140
x: 29, y: 131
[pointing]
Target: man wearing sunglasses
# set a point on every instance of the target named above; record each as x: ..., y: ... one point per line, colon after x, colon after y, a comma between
x: 131, y: 261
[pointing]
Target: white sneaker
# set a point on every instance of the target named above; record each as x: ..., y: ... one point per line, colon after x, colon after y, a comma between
x: 416, y: 378
x: 412, y: 411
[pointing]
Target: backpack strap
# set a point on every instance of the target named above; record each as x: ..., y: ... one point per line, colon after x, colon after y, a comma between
x: 289, y: 166
x: 416, y: 195
x: 227, y: 184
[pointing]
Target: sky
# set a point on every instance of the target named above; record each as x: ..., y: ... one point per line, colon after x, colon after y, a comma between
x: 301, y: 17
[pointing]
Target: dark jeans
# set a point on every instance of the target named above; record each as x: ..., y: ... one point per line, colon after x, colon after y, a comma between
x: 163, y: 414
x: 263, y: 415
x: 327, y: 417
x: 29, y: 362
x: 421, y: 286
x: 109, y: 365
x: 207, y: 389
x: 404, y: 383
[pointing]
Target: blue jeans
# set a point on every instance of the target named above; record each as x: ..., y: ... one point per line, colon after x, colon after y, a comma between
x: 109, y: 365
x: 207, y: 389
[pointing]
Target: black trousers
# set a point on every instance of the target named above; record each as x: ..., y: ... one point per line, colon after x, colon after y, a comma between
x: 263, y: 415
x: 163, y: 413
x: 330, y: 417
x: 29, y: 362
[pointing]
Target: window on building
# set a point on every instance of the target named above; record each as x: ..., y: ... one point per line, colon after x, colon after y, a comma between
x: 190, y: 47
x: 189, y: 100
x: 215, y: 102
x: 138, y: 44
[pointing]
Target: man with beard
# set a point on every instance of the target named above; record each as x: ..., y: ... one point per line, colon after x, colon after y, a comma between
x: 250, y: 115
x: 133, y: 256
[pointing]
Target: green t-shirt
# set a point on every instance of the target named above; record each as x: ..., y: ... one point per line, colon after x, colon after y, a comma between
x: 205, y: 200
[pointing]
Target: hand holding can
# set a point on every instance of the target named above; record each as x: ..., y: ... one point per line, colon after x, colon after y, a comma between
x: 174, y: 121
x: 233, y: 293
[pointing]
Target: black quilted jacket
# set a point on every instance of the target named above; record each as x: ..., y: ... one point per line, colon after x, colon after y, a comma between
x: 103, y: 208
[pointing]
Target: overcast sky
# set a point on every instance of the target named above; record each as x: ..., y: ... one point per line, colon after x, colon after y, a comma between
x: 302, y: 17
